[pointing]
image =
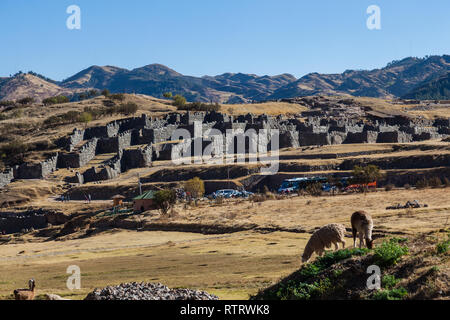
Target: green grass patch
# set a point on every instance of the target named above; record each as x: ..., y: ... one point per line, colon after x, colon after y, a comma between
x: 389, y: 253
x: 442, y: 247
x: 306, y: 286
x: 305, y: 291
x: 389, y: 281
x: 390, y: 294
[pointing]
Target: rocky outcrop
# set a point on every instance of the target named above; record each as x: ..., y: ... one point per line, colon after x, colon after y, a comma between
x: 147, y: 291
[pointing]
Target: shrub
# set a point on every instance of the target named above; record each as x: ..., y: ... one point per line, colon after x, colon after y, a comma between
x: 389, y: 253
x: 64, y: 118
x: 55, y: 100
x: 128, y: 108
x: 85, y: 117
x: 306, y: 286
x: 165, y: 199
x: 200, y: 106
x: 407, y: 186
x: 389, y: 281
x: 435, y: 182
x: 6, y: 103
x: 17, y: 113
x: 258, y: 197
x: 179, y: 101
x: 389, y: 187
x: 108, y: 103
x: 398, y: 240
x: 13, y: 151
x: 106, y: 92
x: 26, y: 100
x: 195, y: 186
x: 332, y: 257
x: 167, y: 95
x: 442, y: 247
x: 366, y: 175
x: 422, y: 183
x: 118, y: 96
x: 92, y: 93
x: 446, y: 182
x: 314, y: 189
x: 391, y: 294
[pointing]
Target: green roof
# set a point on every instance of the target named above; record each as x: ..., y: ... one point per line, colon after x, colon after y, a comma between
x: 146, y: 195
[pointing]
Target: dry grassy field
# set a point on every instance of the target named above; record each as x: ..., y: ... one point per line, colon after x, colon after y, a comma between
x: 231, y: 265
x: 255, y: 243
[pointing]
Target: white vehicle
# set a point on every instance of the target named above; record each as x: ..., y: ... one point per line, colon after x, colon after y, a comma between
x: 225, y: 193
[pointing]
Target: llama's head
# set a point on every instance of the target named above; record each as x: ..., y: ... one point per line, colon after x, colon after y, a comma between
x: 369, y: 243
x: 306, y: 255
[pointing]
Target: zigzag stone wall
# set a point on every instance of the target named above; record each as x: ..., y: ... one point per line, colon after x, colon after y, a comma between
x: 79, y: 158
x: 315, y: 130
x: 114, y: 144
x: 136, y: 158
x: 36, y: 170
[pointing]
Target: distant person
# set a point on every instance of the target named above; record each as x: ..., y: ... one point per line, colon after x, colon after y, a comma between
x: 62, y: 198
x: 89, y: 197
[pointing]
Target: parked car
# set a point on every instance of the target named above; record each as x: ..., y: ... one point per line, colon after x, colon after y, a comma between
x: 295, y: 184
x: 225, y: 193
x: 231, y: 193
x: 245, y: 194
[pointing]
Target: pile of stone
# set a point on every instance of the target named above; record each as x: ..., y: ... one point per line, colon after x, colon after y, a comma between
x: 408, y: 204
x: 147, y: 291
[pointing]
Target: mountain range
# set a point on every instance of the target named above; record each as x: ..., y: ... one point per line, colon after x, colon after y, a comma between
x: 408, y: 78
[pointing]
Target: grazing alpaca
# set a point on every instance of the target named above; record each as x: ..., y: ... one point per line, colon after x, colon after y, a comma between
x: 362, y: 224
x: 26, y: 294
x: 324, y: 238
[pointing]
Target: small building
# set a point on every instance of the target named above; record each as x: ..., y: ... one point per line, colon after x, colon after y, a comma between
x: 117, y: 200
x: 144, y: 201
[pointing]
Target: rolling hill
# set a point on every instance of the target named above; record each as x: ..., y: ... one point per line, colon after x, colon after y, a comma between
x: 397, y: 79
x: 435, y: 90
x: 411, y: 77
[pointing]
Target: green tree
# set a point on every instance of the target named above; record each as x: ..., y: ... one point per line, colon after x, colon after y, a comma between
x: 26, y: 100
x: 179, y: 101
x: 55, y: 100
x: 195, y: 187
x: 14, y: 151
x: 165, y: 200
x: 128, y: 108
x: 366, y: 175
x: 167, y: 95
x: 85, y: 117
x: 106, y: 92
x: 118, y: 96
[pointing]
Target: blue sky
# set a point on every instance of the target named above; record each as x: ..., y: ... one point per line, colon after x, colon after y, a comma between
x: 210, y: 37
